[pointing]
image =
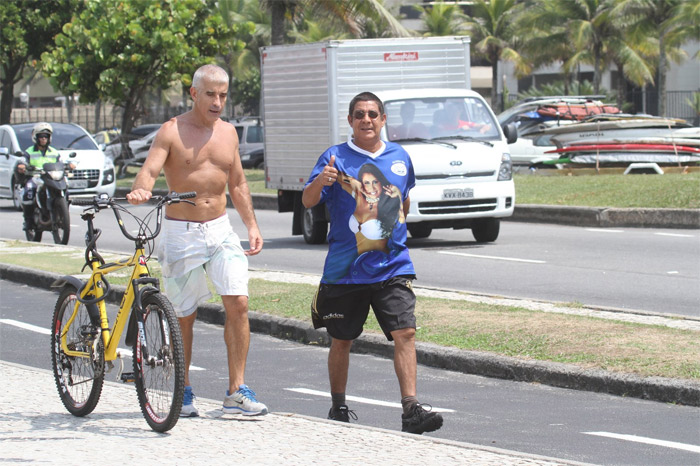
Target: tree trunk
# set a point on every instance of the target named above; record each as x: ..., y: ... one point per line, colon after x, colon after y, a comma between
x: 494, y: 85
x: 6, y: 103
x: 10, y: 72
x: 98, y: 109
x: 277, y: 11
x: 69, y: 107
x: 621, y: 85
x: 596, y: 71
x: 661, y: 88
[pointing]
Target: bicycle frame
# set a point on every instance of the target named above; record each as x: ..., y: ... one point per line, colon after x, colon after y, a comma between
x: 95, y: 290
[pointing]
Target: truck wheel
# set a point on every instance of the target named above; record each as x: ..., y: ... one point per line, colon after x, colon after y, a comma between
x: 485, y: 230
x: 419, y: 230
x: 314, y: 230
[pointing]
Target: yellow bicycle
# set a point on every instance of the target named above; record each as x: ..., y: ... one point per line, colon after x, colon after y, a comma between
x: 83, y: 345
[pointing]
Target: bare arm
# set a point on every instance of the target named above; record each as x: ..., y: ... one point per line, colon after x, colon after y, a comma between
x: 312, y: 193
x: 240, y: 196
x: 146, y: 177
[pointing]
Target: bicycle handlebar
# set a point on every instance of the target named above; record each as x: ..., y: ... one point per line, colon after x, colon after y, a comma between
x: 103, y: 201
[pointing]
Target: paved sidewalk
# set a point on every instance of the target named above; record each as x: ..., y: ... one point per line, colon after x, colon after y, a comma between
x: 35, y: 427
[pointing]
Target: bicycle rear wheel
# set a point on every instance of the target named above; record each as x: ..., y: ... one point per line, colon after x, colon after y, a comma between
x: 159, y: 368
x: 79, y: 379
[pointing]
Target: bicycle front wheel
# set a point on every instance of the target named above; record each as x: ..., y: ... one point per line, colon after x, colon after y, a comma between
x: 159, y: 367
x: 79, y: 379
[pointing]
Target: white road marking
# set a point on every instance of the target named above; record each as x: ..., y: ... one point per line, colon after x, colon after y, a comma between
x: 45, y: 331
x: 360, y: 399
x: 25, y: 326
x: 677, y: 235
x: 605, y: 230
x: 647, y: 440
x: 478, y: 256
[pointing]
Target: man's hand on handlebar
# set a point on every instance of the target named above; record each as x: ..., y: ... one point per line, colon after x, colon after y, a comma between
x: 138, y: 196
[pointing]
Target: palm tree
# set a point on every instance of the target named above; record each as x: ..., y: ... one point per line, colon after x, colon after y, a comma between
x: 442, y: 19
x: 285, y: 12
x: 672, y: 23
x: 493, y: 32
x: 545, y: 41
x: 317, y: 31
x: 239, y: 56
x: 575, y: 32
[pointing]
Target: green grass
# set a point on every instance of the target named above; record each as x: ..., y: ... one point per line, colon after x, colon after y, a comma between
x: 568, y: 188
x: 588, y: 342
x: 671, y: 190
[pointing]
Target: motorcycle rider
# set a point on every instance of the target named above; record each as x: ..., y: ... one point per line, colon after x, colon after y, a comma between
x: 36, y: 156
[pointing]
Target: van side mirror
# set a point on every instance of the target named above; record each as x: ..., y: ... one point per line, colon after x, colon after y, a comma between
x: 511, y: 133
x: 73, y: 155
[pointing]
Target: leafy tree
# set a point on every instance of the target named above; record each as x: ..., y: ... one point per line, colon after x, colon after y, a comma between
x: 27, y: 29
x: 246, y: 92
x: 494, y: 36
x: 117, y: 51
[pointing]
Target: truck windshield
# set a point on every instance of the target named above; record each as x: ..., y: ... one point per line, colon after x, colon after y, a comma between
x: 439, y: 118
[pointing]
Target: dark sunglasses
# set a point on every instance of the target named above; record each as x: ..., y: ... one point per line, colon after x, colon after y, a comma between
x: 42, y: 135
x: 360, y: 114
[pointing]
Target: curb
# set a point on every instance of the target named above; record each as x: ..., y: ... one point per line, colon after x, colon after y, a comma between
x: 607, y: 217
x: 601, y: 217
x: 469, y: 362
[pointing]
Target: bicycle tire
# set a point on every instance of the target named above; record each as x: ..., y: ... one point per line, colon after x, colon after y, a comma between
x: 159, y: 370
x: 61, y: 228
x: 79, y: 380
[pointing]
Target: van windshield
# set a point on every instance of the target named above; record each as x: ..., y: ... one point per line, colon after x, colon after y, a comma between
x: 442, y: 118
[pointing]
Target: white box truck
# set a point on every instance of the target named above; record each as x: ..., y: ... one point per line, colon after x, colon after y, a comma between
x: 460, y: 154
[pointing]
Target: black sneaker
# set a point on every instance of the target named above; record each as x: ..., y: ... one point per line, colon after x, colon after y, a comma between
x: 342, y: 414
x: 419, y: 420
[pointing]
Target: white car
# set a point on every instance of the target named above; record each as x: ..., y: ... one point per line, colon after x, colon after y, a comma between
x: 93, y: 174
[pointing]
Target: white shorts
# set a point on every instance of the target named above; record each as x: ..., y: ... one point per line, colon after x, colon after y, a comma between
x: 188, y: 252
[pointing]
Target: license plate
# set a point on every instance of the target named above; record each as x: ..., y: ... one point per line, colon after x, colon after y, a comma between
x: 466, y: 193
x: 78, y: 183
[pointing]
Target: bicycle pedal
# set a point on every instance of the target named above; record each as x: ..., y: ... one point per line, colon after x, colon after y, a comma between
x: 128, y: 377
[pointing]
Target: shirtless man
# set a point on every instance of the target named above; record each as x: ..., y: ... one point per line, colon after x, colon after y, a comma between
x: 199, y: 152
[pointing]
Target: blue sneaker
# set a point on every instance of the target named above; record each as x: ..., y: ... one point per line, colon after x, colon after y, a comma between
x: 243, y: 402
x: 188, y: 407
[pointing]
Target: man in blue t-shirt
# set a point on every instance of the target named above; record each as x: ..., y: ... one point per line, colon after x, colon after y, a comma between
x: 365, y: 185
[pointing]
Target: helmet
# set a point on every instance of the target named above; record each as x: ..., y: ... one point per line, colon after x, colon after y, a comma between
x: 42, y: 127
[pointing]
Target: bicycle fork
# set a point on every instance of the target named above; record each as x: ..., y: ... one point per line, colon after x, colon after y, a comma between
x: 142, y: 287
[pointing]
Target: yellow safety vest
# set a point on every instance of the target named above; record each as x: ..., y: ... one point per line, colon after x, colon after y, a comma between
x: 38, y: 158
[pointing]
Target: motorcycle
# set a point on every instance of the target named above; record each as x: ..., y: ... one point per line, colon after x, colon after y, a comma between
x: 51, y: 203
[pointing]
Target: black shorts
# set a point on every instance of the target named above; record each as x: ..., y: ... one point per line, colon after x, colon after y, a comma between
x: 343, y: 309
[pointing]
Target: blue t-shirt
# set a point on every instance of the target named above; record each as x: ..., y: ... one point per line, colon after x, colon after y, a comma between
x: 367, y: 237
